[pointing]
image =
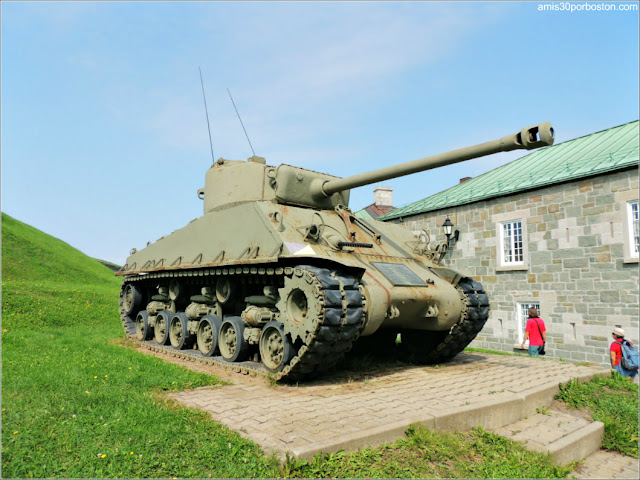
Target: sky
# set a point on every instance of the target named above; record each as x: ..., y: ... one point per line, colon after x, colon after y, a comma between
x: 104, y: 137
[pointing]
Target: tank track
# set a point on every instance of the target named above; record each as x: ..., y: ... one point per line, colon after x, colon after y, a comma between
x: 475, y: 313
x: 430, y: 347
x: 339, y: 325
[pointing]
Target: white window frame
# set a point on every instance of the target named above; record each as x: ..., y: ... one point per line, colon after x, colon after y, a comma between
x: 509, y: 217
x: 515, y: 248
x: 625, y: 201
x: 522, y: 316
x: 632, y: 229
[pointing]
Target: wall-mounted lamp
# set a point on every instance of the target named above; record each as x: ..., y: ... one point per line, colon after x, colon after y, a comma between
x: 447, y: 227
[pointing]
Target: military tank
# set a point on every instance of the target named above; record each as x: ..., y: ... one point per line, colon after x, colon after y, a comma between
x: 279, y: 275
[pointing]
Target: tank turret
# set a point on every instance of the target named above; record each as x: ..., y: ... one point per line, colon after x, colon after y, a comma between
x: 280, y: 276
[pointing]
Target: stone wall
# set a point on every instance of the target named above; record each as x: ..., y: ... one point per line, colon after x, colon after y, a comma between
x: 576, y: 266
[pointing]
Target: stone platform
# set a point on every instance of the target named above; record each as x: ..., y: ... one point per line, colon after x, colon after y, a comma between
x: 339, y: 413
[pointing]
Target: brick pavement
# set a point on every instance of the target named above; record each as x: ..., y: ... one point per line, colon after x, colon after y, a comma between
x: 604, y: 464
x: 327, y: 416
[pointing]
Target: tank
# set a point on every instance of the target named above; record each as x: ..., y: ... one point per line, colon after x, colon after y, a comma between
x: 279, y: 276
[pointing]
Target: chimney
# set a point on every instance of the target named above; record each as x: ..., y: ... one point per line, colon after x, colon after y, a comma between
x: 465, y: 179
x: 383, y: 196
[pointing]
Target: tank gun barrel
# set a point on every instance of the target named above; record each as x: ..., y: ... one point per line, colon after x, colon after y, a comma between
x: 528, y: 138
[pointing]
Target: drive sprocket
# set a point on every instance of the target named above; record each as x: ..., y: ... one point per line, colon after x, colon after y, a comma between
x: 301, y: 305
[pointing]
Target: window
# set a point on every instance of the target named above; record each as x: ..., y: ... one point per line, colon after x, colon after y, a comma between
x: 511, y: 243
x: 632, y: 213
x: 523, y: 316
x: 628, y: 208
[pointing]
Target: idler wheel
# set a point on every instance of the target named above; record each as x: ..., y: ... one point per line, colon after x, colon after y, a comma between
x: 131, y: 299
x: 161, y: 329
x: 143, y: 330
x: 275, y: 347
x: 233, y: 346
x: 179, y: 332
x: 208, y: 335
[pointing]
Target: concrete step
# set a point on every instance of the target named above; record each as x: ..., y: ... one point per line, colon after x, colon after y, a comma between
x: 567, y: 437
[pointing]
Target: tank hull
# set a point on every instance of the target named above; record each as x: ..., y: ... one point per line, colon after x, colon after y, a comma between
x: 401, y: 289
x: 323, y: 297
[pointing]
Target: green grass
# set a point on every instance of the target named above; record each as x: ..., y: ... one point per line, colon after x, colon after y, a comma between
x: 428, y: 454
x: 612, y: 401
x: 69, y: 399
x: 494, y: 352
x: 77, y: 403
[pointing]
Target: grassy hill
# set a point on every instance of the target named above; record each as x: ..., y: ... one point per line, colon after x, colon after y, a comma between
x: 46, y: 282
x: 31, y: 255
x: 75, y: 403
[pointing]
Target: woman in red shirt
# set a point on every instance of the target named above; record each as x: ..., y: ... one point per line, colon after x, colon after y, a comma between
x: 536, y: 332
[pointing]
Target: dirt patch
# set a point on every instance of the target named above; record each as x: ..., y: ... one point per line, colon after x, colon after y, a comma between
x: 562, y: 407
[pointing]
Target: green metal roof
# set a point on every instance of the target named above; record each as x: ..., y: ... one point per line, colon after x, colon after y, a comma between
x: 612, y: 149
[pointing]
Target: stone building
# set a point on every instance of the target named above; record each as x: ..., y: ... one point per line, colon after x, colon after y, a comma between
x: 556, y: 229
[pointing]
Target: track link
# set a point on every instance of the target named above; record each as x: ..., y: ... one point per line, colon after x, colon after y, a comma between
x: 333, y: 333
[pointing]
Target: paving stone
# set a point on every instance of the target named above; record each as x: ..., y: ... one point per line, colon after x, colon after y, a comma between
x: 605, y: 464
x: 309, y: 418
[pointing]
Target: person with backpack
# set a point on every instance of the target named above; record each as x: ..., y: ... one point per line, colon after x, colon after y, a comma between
x: 624, y: 356
x: 536, y: 332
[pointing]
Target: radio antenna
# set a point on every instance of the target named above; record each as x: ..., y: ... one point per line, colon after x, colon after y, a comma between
x: 245, y: 130
x: 213, y: 160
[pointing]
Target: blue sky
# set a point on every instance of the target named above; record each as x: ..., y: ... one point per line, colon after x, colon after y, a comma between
x: 104, y: 139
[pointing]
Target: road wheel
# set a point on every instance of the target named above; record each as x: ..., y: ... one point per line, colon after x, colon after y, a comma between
x: 208, y: 334
x: 143, y: 330
x: 161, y: 329
x: 179, y: 332
x: 233, y: 346
x: 275, y: 347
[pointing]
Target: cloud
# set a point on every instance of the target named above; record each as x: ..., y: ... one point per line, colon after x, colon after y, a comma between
x: 293, y: 66
x: 328, y: 53
x: 304, y: 76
